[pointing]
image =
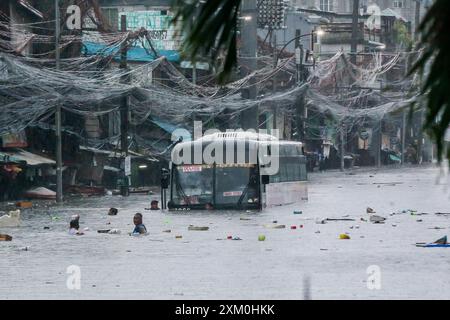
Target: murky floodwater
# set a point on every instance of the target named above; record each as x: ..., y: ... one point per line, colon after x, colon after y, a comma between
x: 199, y: 266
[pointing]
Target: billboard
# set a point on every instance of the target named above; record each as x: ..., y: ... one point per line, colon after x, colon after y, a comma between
x: 162, y: 33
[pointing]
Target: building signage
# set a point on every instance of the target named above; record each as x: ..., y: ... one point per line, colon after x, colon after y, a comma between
x: 158, y: 24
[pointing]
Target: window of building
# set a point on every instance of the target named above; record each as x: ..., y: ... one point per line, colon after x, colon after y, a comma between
x: 111, y: 16
x: 399, y: 4
x: 326, y: 5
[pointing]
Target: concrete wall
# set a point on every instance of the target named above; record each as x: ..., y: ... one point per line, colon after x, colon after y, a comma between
x: 294, y: 21
x: 19, y: 16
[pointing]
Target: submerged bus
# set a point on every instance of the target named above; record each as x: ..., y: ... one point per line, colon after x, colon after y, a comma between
x: 236, y: 171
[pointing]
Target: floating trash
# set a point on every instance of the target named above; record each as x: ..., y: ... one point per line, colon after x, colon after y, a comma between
x: 167, y: 231
x: 24, y: 204
x: 275, y: 226
x: 344, y: 236
x: 194, y: 228
x: 370, y: 210
x: 298, y: 212
x: 377, y: 219
x: 440, y: 243
x: 113, y: 212
x: 293, y: 227
x: 178, y: 237
x: 12, y: 219
x: 261, y: 237
x: 5, y: 237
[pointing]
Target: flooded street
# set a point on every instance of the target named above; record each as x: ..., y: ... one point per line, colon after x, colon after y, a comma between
x: 199, y: 266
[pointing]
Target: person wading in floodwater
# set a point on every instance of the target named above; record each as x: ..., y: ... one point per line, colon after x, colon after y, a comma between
x: 139, y: 226
x: 154, y: 205
x: 74, y: 226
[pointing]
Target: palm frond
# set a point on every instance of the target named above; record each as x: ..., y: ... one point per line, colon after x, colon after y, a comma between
x: 209, y: 27
x: 436, y: 88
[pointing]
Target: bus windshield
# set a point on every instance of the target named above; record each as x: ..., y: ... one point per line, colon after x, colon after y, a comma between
x: 226, y: 186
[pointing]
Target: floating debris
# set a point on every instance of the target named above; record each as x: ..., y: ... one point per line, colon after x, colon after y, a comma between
x: 344, y: 236
x: 103, y: 230
x: 24, y: 204
x: 113, y: 212
x: 194, y: 228
x: 167, y: 231
x: 443, y: 213
x: 5, y: 237
x: 370, y: 210
x: 178, y: 237
x: 10, y: 220
x: 440, y: 243
x: 298, y: 212
x: 275, y: 226
x: 261, y: 237
x: 377, y: 219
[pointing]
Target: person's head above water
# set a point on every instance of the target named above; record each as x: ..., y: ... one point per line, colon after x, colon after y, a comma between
x: 154, y: 205
x: 74, y: 224
x: 137, y: 219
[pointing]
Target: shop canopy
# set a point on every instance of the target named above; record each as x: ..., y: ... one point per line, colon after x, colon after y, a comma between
x: 20, y: 155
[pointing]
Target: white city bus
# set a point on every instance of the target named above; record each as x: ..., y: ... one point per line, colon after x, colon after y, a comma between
x: 246, y: 177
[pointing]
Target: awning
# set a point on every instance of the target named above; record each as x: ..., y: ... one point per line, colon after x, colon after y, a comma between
x: 134, y: 54
x: 6, y: 158
x: 30, y: 158
x: 116, y: 154
x: 170, y: 128
x: 388, y: 12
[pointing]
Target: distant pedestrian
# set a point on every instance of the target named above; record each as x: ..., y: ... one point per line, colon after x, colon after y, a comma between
x: 209, y: 206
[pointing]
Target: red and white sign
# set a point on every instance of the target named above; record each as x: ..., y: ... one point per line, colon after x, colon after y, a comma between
x: 192, y: 168
x: 15, y: 140
x: 232, y: 193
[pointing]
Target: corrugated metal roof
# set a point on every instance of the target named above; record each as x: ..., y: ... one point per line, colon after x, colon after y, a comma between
x: 170, y: 128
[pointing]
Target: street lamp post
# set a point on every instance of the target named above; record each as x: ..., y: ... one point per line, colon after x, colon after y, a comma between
x: 59, y: 163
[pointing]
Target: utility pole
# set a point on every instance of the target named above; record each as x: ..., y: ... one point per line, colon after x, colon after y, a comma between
x: 194, y: 73
x: 59, y: 162
x: 274, y: 78
x: 417, y: 20
x: 249, y: 117
x: 300, y: 103
x: 380, y: 143
x: 342, y: 138
x: 403, y: 136
x: 124, y: 110
x: 355, y: 31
